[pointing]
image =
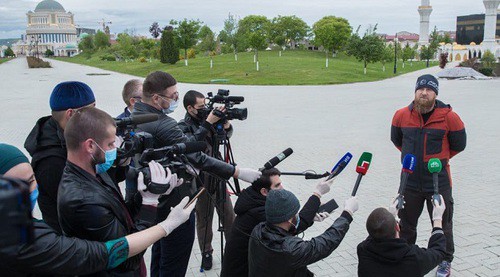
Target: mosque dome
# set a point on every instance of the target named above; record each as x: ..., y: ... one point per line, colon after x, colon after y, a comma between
x: 49, y: 6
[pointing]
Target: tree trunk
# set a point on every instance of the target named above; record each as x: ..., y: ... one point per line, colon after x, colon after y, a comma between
x: 185, y: 57
x: 403, y: 64
x: 211, y: 62
x: 364, y: 70
x: 326, y: 63
x: 235, y: 56
x: 257, y: 64
x: 280, y: 53
x: 383, y: 68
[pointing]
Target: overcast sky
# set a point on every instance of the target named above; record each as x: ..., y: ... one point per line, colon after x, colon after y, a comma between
x: 391, y: 15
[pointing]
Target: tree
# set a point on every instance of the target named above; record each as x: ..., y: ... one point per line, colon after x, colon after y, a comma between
x: 288, y: 30
x: 101, y: 40
x: 127, y: 46
x: 87, y: 44
x: 254, y: 30
x: 187, y: 34
x: 169, y: 51
x: 229, y: 34
x: 407, y: 53
x: 332, y: 33
x: 207, y: 43
x: 488, y: 59
x: 9, y: 52
x: 428, y: 52
x: 387, y: 56
x: 49, y: 53
x: 155, y: 30
x: 368, y: 49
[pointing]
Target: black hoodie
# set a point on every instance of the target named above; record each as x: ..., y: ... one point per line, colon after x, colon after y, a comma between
x: 47, y: 147
x: 395, y: 257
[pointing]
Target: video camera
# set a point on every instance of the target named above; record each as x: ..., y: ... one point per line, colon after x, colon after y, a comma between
x: 222, y: 97
x: 134, y: 142
x: 171, y: 157
x: 15, y: 214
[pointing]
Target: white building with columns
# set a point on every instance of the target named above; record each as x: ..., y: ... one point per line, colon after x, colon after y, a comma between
x: 49, y: 26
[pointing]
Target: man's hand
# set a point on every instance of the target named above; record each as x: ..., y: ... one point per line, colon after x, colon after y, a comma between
x: 177, y: 216
x: 212, y: 118
x: 438, y: 210
x: 393, y: 208
x: 323, y: 186
x: 158, y: 176
x: 319, y: 217
x: 247, y: 174
x: 227, y: 124
x: 351, y: 205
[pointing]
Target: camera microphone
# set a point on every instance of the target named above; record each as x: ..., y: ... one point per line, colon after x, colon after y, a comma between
x: 189, y: 147
x: 362, y: 167
x: 136, y: 119
x: 276, y: 160
x: 435, y: 166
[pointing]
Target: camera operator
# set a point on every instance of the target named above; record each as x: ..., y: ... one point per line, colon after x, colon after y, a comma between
x: 160, y: 97
x: 250, y: 211
x: 197, y: 119
x: 275, y: 251
x: 90, y: 205
x: 52, y: 254
x: 47, y: 146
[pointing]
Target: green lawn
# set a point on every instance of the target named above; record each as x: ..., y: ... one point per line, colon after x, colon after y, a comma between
x: 2, y: 60
x: 292, y: 68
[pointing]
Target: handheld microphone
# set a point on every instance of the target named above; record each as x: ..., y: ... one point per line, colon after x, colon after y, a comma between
x: 276, y: 160
x: 434, y: 166
x: 408, y: 167
x: 362, y: 167
x: 136, y: 120
x: 341, y: 164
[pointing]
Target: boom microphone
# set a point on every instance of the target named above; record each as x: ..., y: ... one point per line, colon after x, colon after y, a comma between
x: 341, y: 164
x: 136, y: 119
x: 176, y: 149
x: 362, y: 167
x: 408, y: 167
x: 434, y: 165
x: 276, y: 160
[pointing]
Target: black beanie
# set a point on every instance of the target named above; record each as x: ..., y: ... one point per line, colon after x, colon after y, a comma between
x: 427, y: 81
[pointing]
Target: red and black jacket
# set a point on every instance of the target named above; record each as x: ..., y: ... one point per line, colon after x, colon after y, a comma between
x: 442, y: 136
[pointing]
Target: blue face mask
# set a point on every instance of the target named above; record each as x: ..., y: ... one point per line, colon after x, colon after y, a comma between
x: 110, y: 157
x: 171, y: 107
x: 34, y: 197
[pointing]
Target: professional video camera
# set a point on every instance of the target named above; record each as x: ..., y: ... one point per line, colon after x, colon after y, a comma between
x: 171, y: 157
x: 15, y: 214
x: 134, y: 142
x: 222, y: 97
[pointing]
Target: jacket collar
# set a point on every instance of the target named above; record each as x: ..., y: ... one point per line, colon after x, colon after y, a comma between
x: 80, y: 172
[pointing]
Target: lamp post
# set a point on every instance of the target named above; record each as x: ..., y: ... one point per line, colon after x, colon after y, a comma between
x: 34, y: 40
x: 395, y: 53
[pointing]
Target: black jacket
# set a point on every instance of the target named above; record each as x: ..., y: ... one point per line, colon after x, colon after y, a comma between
x: 275, y: 252
x: 395, y: 257
x: 52, y: 254
x: 93, y: 208
x: 166, y: 132
x: 250, y: 211
x: 47, y: 147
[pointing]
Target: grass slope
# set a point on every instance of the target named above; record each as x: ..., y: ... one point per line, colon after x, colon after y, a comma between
x: 292, y: 68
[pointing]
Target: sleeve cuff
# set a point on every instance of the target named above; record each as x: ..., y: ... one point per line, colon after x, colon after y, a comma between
x: 347, y: 216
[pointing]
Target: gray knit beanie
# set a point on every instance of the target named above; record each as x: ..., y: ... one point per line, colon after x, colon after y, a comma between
x: 281, y: 205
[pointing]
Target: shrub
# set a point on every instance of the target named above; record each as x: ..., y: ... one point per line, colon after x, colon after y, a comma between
x: 34, y: 62
x: 143, y: 59
x: 191, y: 53
x: 108, y: 57
x: 486, y: 71
x: 49, y: 53
x: 443, y: 60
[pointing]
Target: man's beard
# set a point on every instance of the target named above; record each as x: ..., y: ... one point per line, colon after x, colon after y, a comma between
x: 424, y: 105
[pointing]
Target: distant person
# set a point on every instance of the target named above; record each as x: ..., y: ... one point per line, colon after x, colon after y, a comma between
x: 428, y: 128
x: 384, y: 253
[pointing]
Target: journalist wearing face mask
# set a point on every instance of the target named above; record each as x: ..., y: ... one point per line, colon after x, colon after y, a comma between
x: 160, y: 96
x: 275, y: 250
x: 50, y: 253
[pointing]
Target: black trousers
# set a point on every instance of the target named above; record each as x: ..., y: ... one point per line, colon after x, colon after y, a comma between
x: 413, y: 209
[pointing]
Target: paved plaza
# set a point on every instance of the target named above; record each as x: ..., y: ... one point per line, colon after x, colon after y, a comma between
x: 320, y: 123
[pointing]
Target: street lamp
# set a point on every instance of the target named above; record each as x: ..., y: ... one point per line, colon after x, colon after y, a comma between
x: 395, y: 53
x: 34, y: 40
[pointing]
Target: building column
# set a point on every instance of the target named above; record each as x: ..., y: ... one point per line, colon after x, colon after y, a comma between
x: 425, y: 10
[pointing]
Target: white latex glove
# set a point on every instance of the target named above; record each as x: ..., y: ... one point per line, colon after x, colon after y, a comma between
x: 160, y: 176
x: 438, y: 210
x: 148, y: 198
x: 174, y: 182
x: 323, y: 186
x: 351, y: 205
x: 321, y: 216
x: 177, y: 216
x: 248, y: 175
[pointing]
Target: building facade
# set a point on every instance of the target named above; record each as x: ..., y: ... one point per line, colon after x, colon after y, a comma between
x: 49, y: 26
x: 470, y: 28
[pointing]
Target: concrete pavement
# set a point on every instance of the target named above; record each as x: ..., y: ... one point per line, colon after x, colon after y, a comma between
x: 320, y: 123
